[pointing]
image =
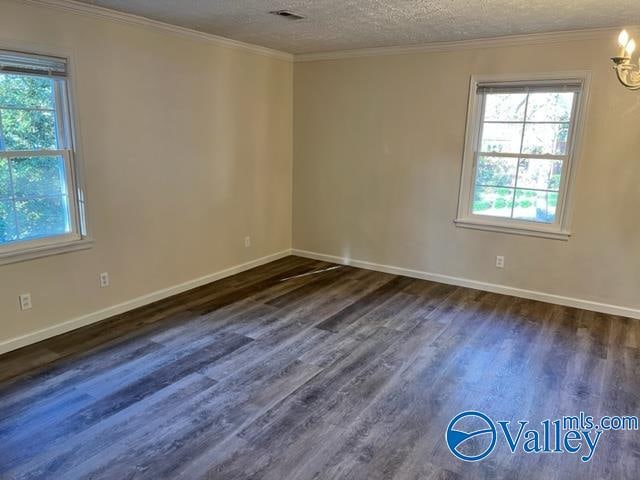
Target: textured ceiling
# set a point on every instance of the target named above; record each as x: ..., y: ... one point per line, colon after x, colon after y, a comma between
x: 348, y: 24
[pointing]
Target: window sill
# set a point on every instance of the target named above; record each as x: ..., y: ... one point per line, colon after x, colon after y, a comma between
x: 39, y: 251
x: 513, y: 230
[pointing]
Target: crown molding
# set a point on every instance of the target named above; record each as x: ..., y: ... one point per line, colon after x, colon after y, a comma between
x: 131, y: 19
x: 493, y: 42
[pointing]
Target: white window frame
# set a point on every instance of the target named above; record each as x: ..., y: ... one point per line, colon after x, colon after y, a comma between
x: 560, y: 229
x: 67, y: 124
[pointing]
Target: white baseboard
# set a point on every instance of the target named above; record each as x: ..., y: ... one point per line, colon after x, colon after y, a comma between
x: 488, y: 287
x: 33, y: 337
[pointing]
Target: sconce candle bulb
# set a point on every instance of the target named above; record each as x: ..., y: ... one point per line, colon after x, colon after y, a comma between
x: 628, y: 73
x: 623, y: 38
x: 631, y: 47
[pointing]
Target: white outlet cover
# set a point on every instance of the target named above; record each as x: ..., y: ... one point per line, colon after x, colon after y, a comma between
x: 25, y: 301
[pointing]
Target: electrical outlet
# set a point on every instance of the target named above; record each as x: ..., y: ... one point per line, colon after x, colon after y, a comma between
x: 104, y: 280
x: 247, y: 242
x: 499, y: 261
x: 25, y: 301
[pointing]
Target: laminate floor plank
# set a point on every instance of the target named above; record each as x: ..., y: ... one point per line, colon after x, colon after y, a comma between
x: 61, y: 457
x: 65, y: 374
x: 301, y: 369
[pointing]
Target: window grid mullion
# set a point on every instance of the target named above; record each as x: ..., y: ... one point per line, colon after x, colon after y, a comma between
x: 515, y: 182
x: 32, y: 153
x: 534, y: 156
x: 28, y: 109
x: 545, y: 190
x: 537, y: 122
x: 41, y: 197
x: 2, y: 145
x: 12, y: 192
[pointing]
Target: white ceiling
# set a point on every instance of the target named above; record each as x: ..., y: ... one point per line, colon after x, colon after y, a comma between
x: 349, y: 24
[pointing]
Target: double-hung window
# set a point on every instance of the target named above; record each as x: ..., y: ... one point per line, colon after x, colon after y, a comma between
x: 41, y: 208
x: 520, y: 154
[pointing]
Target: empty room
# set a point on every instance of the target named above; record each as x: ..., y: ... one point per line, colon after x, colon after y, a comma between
x: 309, y: 240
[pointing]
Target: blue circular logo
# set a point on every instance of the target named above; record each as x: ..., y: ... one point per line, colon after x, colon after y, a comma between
x: 468, y: 425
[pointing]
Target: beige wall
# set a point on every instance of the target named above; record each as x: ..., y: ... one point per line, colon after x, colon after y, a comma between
x: 186, y: 149
x: 378, y: 145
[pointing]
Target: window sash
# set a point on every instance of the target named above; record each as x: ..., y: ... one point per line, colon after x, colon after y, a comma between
x: 61, y: 110
x: 516, y: 187
x: 70, y: 193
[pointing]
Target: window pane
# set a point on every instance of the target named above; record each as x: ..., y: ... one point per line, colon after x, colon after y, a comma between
x: 7, y: 222
x: 493, y: 201
x: 28, y: 129
x: 5, y: 187
x: 535, y: 206
x: 539, y: 173
x: 42, y: 217
x: 38, y: 176
x: 498, y: 171
x: 550, y: 107
x: 501, y: 137
x: 26, y: 91
x: 546, y: 138
x: 505, y: 107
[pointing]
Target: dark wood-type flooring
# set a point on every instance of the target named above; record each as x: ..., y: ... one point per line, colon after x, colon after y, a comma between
x: 300, y: 369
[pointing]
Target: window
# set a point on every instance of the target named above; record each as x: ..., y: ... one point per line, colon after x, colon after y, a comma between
x: 519, y: 154
x: 40, y: 208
